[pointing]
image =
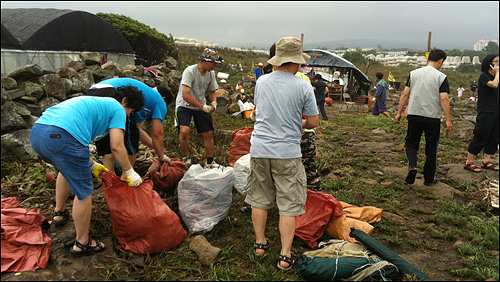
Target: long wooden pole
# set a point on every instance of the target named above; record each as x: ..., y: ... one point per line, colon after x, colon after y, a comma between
x: 429, y: 42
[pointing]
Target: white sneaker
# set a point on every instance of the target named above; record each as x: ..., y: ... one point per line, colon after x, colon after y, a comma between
x: 186, y: 161
x: 212, y: 165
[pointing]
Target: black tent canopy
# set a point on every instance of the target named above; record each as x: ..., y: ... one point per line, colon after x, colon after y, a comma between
x: 9, y: 41
x: 62, y: 30
x: 327, y: 59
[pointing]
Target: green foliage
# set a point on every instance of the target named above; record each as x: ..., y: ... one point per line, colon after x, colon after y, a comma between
x: 491, y: 48
x: 355, y: 57
x: 467, y: 68
x: 151, y: 47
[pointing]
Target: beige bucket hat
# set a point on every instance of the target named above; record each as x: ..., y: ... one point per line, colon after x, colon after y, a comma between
x: 289, y: 49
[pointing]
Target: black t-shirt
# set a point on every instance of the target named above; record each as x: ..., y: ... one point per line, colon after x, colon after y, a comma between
x: 473, y: 87
x: 487, y: 97
x: 320, y: 90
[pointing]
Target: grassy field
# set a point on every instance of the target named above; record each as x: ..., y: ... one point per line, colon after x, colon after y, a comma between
x: 459, y: 238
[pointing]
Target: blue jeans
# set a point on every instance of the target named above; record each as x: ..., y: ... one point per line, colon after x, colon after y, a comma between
x: 56, y: 146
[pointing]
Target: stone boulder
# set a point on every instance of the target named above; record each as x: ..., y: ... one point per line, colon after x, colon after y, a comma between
x: 5, y: 96
x: 53, y: 86
x: 26, y: 72
x: 171, y: 63
x: 114, y: 67
x: 91, y: 58
x: 18, y: 144
x: 76, y: 65
x: 32, y: 89
x: 66, y: 72
x: 8, y: 83
x: 47, y: 102
x: 11, y: 118
x: 82, y: 81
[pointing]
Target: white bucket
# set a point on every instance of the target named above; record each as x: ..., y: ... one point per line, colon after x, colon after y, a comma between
x: 222, y: 75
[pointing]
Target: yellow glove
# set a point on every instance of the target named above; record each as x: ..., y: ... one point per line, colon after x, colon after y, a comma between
x: 97, y: 168
x: 165, y: 159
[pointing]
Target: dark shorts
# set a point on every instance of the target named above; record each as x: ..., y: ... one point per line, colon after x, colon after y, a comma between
x: 130, y: 136
x: 130, y: 139
x: 202, y: 121
x: 56, y: 146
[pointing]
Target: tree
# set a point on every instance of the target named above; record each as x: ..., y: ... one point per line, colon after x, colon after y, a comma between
x: 491, y: 48
x: 355, y: 57
x: 151, y: 47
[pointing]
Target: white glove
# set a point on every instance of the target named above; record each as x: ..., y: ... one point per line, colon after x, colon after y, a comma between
x: 208, y: 109
x: 133, y: 178
x: 214, y: 104
x: 165, y: 159
x: 97, y: 168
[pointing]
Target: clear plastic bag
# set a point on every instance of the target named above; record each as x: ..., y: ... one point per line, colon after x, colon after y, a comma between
x: 205, y: 196
x: 241, y: 172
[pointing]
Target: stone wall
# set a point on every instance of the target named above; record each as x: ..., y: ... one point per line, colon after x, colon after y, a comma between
x: 28, y: 91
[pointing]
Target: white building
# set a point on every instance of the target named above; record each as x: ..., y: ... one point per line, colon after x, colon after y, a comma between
x: 481, y: 44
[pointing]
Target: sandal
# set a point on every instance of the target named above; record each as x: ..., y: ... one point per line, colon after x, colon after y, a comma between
x: 290, y: 260
x: 64, y: 214
x: 261, y: 246
x: 87, y: 249
x: 489, y: 165
x: 246, y: 209
x: 472, y: 167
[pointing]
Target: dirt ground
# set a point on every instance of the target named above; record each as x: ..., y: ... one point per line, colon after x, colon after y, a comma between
x: 62, y: 266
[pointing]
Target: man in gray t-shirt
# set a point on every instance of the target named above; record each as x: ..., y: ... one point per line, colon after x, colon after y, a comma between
x: 277, y: 173
x: 191, y: 104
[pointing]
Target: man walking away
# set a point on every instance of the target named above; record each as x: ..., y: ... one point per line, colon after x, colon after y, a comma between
x: 427, y: 90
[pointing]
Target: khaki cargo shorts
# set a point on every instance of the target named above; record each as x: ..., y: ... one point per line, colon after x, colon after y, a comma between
x: 283, y: 180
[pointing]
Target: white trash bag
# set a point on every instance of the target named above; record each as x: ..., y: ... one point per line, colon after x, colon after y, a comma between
x: 241, y: 171
x: 205, y: 196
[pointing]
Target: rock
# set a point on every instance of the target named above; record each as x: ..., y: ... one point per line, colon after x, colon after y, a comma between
x: 379, y: 131
x: 68, y: 85
x: 5, y: 96
x: 26, y: 72
x: 47, y: 102
x: 387, y: 182
x: 18, y: 144
x: 76, y: 65
x: 66, y: 72
x: 207, y: 254
x: 32, y: 89
x: 371, y: 181
x: 222, y: 93
x: 171, y: 63
x: 11, y: 118
x: 8, y: 83
x: 112, y: 66
x: 53, y: 86
x: 82, y: 81
x: 398, y: 148
x: 16, y: 93
x: 91, y: 58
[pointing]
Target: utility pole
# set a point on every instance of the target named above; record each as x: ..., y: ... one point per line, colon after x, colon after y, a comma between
x: 428, y: 47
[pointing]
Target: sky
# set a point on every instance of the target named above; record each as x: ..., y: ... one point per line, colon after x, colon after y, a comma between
x: 258, y: 24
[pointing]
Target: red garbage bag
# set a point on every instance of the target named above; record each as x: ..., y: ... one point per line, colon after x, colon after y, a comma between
x: 26, y: 245
x: 142, y: 222
x: 329, y: 101
x: 165, y: 177
x: 240, y: 144
x: 320, y: 207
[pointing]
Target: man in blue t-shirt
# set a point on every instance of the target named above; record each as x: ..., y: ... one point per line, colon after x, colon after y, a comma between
x: 155, y: 109
x: 61, y: 137
x: 258, y: 71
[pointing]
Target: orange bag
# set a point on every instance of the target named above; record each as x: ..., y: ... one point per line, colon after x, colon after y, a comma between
x: 320, y: 207
x: 26, y: 245
x: 142, y: 222
x: 329, y: 101
x: 240, y: 144
x: 165, y: 177
x: 360, y: 218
